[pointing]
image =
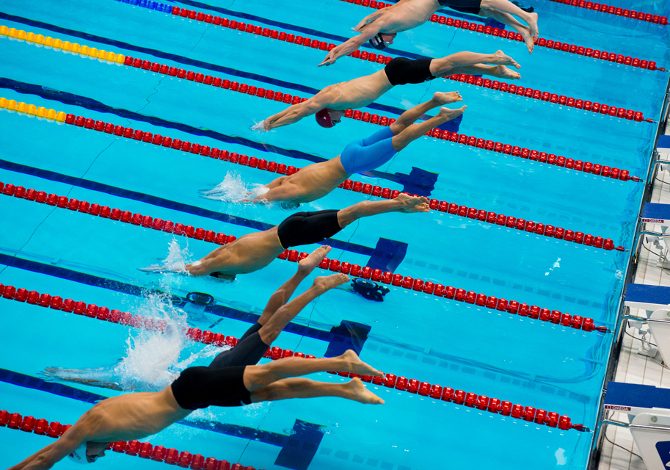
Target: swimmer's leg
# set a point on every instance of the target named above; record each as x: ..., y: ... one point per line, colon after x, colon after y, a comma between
x: 402, y: 203
x: 377, y: 149
x: 248, y: 352
x: 307, y: 388
x: 411, y: 115
x: 258, y: 377
x: 464, y: 62
x: 509, y: 20
x: 506, y: 6
x: 414, y: 131
x: 286, y: 290
x: 287, y: 312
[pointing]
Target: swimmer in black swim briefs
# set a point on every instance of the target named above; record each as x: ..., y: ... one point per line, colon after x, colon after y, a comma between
x: 380, y: 28
x: 329, y: 104
x: 249, y: 350
x: 256, y: 250
x: 137, y: 415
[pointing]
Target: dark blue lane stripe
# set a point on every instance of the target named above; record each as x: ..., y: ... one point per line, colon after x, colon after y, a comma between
x: 287, y: 26
x: 28, y: 381
x: 333, y: 37
x: 137, y: 291
x: 181, y: 59
x: 165, y: 203
x: 94, y: 105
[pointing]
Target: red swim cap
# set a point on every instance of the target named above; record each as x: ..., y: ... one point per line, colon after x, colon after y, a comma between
x: 323, y: 118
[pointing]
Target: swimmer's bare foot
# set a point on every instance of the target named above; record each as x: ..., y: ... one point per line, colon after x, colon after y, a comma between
x: 442, y: 97
x: 528, y: 39
x: 357, y: 391
x: 503, y: 59
x: 450, y: 114
x: 504, y: 72
x: 407, y: 203
x: 324, y: 283
x: 354, y: 364
x: 532, y: 25
x: 307, y: 265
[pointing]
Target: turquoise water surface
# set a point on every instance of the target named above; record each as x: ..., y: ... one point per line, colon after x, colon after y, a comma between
x: 411, y: 334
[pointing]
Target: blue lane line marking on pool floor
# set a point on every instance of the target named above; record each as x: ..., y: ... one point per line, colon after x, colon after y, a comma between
x: 270, y: 22
x: 453, y: 125
x: 94, y: 105
x: 181, y: 59
x: 335, y: 335
x: 244, y: 432
x: 165, y: 203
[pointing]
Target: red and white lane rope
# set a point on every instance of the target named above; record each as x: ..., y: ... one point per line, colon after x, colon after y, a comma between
x: 504, y: 87
x: 409, y: 385
x: 275, y: 95
x: 482, y: 215
x: 406, y: 282
x: 618, y: 11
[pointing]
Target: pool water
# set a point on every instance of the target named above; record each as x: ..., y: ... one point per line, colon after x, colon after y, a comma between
x: 413, y: 334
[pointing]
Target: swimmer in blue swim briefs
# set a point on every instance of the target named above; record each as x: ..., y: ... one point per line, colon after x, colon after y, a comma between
x: 317, y: 180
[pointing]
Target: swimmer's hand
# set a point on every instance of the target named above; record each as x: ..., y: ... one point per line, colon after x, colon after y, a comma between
x: 259, y: 127
x: 330, y: 58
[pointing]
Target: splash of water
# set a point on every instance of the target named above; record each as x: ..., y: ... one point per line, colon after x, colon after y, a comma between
x: 152, y: 360
x: 234, y: 189
x: 175, y: 262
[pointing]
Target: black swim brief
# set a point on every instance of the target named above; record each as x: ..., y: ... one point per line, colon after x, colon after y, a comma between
x: 401, y: 71
x: 200, y: 387
x: 303, y: 228
x: 465, y: 6
x: 247, y: 352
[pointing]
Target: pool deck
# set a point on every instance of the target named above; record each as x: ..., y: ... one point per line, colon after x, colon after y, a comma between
x: 633, y: 367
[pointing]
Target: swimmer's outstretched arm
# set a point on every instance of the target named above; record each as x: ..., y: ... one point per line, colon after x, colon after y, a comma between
x: 368, y: 19
x: 92, y: 377
x: 56, y: 451
x: 292, y: 114
x: 349, y: 46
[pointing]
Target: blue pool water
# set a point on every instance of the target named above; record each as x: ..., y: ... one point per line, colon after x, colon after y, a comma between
x: 412, y: 334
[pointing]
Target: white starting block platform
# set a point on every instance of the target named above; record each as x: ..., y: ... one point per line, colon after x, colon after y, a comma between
x: 648, y: 408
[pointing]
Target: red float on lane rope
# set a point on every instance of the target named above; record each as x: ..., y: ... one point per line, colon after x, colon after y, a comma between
x: 389, y: 380
x: 398, y: 280
x: 618, y: 11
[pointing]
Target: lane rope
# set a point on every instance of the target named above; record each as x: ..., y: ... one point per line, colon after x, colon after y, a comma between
x: 275, y: 95
x: 406, y: 282
x: 409, y: 385
x: 504, y: 87
x: 618, y: 11
x: 482, y: 215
